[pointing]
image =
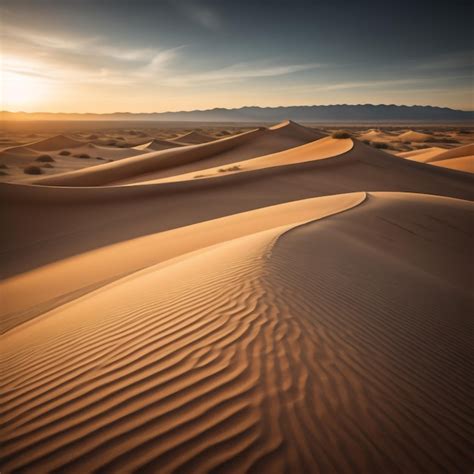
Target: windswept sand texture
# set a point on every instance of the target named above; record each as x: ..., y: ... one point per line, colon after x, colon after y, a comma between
x: 273, y: 301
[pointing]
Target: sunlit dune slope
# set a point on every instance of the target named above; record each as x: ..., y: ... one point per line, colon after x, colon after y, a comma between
x: 278, y: 351
x: 459, y: 158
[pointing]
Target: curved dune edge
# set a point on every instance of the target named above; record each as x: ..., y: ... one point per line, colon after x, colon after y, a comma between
x: 60, y: 282
x: 460, y: 158
x: 281, y: 350
x: 321, y: 149
x: 422, y: 155
x: 463, y: 163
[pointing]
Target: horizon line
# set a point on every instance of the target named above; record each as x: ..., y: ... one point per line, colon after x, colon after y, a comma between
x: 239, y: 108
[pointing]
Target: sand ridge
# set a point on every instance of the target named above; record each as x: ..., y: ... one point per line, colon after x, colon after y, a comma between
x: 224, y: 338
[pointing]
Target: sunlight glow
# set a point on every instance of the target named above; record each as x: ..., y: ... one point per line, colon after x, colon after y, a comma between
x: 21, y: 90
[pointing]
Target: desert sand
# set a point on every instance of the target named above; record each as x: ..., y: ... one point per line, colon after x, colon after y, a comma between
x: 270, y: 300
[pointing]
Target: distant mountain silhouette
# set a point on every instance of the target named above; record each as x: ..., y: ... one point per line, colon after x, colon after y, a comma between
x: 310, y: 113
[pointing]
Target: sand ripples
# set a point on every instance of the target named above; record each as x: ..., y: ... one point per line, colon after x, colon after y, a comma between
x: 291, y: 350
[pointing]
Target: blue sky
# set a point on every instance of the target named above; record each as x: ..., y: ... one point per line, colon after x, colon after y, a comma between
x: 143, y: 56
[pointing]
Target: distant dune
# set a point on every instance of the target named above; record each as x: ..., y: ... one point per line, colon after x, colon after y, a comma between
x: 459, y: 158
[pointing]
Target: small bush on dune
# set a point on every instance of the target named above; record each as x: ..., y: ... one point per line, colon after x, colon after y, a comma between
x: 367, y: 142
x: 32, y: 170
x: 3, y: 167
x: 47, y: 165
x: 3, y: 173
x: 45, y: 159
x: 231, y: 168
x: 99, y: 158
x: 341, y: 134
x: 380, y: 145
x: 65, y: 153
x: 82, y: 155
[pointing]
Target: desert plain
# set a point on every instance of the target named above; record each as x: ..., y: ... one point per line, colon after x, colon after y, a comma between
x: 236, y: 298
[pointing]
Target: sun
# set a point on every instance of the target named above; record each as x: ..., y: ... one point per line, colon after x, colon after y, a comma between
x: 22, y: 91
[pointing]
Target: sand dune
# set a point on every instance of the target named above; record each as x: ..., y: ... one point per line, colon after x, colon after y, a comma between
x: 55, y: 143
x: 460, y: 158
x: 275, y: 301
x: 263, y: 353
x: 422, y: 155
x: 185, y: 159
x: 194, y: 138
x: 61, y: 159
x: 464, y: 163
x: 317, y: 150
x: 412, y: 136
x: 99, y: 216
x: 157, y: 144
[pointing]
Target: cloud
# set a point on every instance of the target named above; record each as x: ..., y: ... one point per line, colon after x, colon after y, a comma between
x: 461, y: 59
x: 239, y: 72
x: 79, y: 60
x: 199, y: 13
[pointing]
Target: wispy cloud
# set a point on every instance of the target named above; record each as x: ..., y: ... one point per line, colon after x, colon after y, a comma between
x: 239, y: 72
x: 461, y: 59
x: 199, y: 13
x: 80, y: 60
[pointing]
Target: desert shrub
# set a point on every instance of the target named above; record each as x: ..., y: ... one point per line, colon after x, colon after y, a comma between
x: 45, y: 159
x: 32, y: 170
x: 231, y: 168
x: 442, y: 140
x: 99, y: 158
x: 47, y: 165
x: 341, y: 134
x: 367, y: 142
x: 3, y: 173
x: 84, y: 156
x: 380, y: 145
x: 464, y: 132
x: 65, y: 153
x: 3, y: 167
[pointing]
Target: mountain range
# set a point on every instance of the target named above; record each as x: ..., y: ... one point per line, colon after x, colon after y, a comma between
x: 312, y: 113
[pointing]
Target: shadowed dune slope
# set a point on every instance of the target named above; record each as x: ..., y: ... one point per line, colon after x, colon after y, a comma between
x: 280, y: 351
x: 47, y: 224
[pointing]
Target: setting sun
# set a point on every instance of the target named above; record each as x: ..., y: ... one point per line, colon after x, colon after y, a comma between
x: 21, y: 90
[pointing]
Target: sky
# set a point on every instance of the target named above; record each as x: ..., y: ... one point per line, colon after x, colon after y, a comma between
x: 166, y: 55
